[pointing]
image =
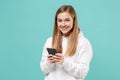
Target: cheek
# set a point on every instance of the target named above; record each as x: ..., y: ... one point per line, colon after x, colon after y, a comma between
x: 58, y: 24
x: 70, y: 24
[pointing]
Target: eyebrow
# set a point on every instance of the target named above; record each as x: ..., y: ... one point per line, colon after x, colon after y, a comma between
x: 65, y: 18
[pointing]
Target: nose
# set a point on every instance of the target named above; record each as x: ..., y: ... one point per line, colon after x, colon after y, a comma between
x: 63, y: 23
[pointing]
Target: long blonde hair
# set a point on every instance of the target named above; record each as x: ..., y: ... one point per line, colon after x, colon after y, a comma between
x: 73, y: 35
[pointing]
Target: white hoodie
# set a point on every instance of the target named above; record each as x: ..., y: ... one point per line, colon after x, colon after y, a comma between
x: 73, y: 68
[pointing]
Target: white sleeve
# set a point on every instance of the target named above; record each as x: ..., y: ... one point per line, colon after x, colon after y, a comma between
x: 80, y: 68
x: 46, y: 67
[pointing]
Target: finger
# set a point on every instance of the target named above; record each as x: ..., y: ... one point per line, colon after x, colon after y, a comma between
x: 57, y: 57
x: 59, y: 54
x: 49, y: 55
x: 51, y: 60
x: 57, y: 60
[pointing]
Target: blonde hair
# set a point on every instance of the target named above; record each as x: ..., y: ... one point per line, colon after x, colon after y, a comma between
x: 73, y: 35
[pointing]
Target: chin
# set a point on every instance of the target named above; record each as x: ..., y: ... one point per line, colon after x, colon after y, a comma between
x: 64, y: 32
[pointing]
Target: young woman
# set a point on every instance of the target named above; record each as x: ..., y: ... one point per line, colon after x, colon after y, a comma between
x: 74, y: 51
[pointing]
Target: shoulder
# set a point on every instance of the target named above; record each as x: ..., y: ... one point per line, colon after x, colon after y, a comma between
x: 85, y: 47
x: 49, y: 39
x: 48, y: 42
x: 83, y: 41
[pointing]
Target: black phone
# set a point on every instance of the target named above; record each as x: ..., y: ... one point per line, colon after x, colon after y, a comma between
x: 51, y: 51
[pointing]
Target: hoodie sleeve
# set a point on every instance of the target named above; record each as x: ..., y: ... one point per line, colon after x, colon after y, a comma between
x: 80, y: 68
x: 46, y: 67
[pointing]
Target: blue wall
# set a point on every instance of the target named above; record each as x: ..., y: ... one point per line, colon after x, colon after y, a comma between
x: 26, y: 24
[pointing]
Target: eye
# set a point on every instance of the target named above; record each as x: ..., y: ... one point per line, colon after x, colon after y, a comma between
x: 59, y: 20
x: 67, y: 20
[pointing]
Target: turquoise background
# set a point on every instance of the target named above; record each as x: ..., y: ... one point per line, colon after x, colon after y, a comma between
x: 26, y: 24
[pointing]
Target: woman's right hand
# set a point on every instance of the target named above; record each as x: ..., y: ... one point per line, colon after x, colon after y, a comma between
x: 51, y: 58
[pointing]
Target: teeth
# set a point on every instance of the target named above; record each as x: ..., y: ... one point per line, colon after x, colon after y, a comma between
x: 64, y: 28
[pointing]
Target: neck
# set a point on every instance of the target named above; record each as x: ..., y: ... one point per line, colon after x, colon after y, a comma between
x: 67, y: 34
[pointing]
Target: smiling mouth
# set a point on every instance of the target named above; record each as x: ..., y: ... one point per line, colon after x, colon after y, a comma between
x: 64, y: 28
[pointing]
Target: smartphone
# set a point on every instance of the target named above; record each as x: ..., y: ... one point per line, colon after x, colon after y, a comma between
x: 51, y: 51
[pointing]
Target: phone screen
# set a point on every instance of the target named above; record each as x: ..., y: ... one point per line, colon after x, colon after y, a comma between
x: 51, y: 51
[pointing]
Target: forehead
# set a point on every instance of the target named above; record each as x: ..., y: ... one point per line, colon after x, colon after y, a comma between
x: 64, y: 15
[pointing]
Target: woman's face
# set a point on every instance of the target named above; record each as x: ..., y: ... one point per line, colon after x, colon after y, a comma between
x: 64, y: 22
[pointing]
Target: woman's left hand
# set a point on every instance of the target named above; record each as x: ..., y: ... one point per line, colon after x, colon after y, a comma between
x: 59, y: 58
